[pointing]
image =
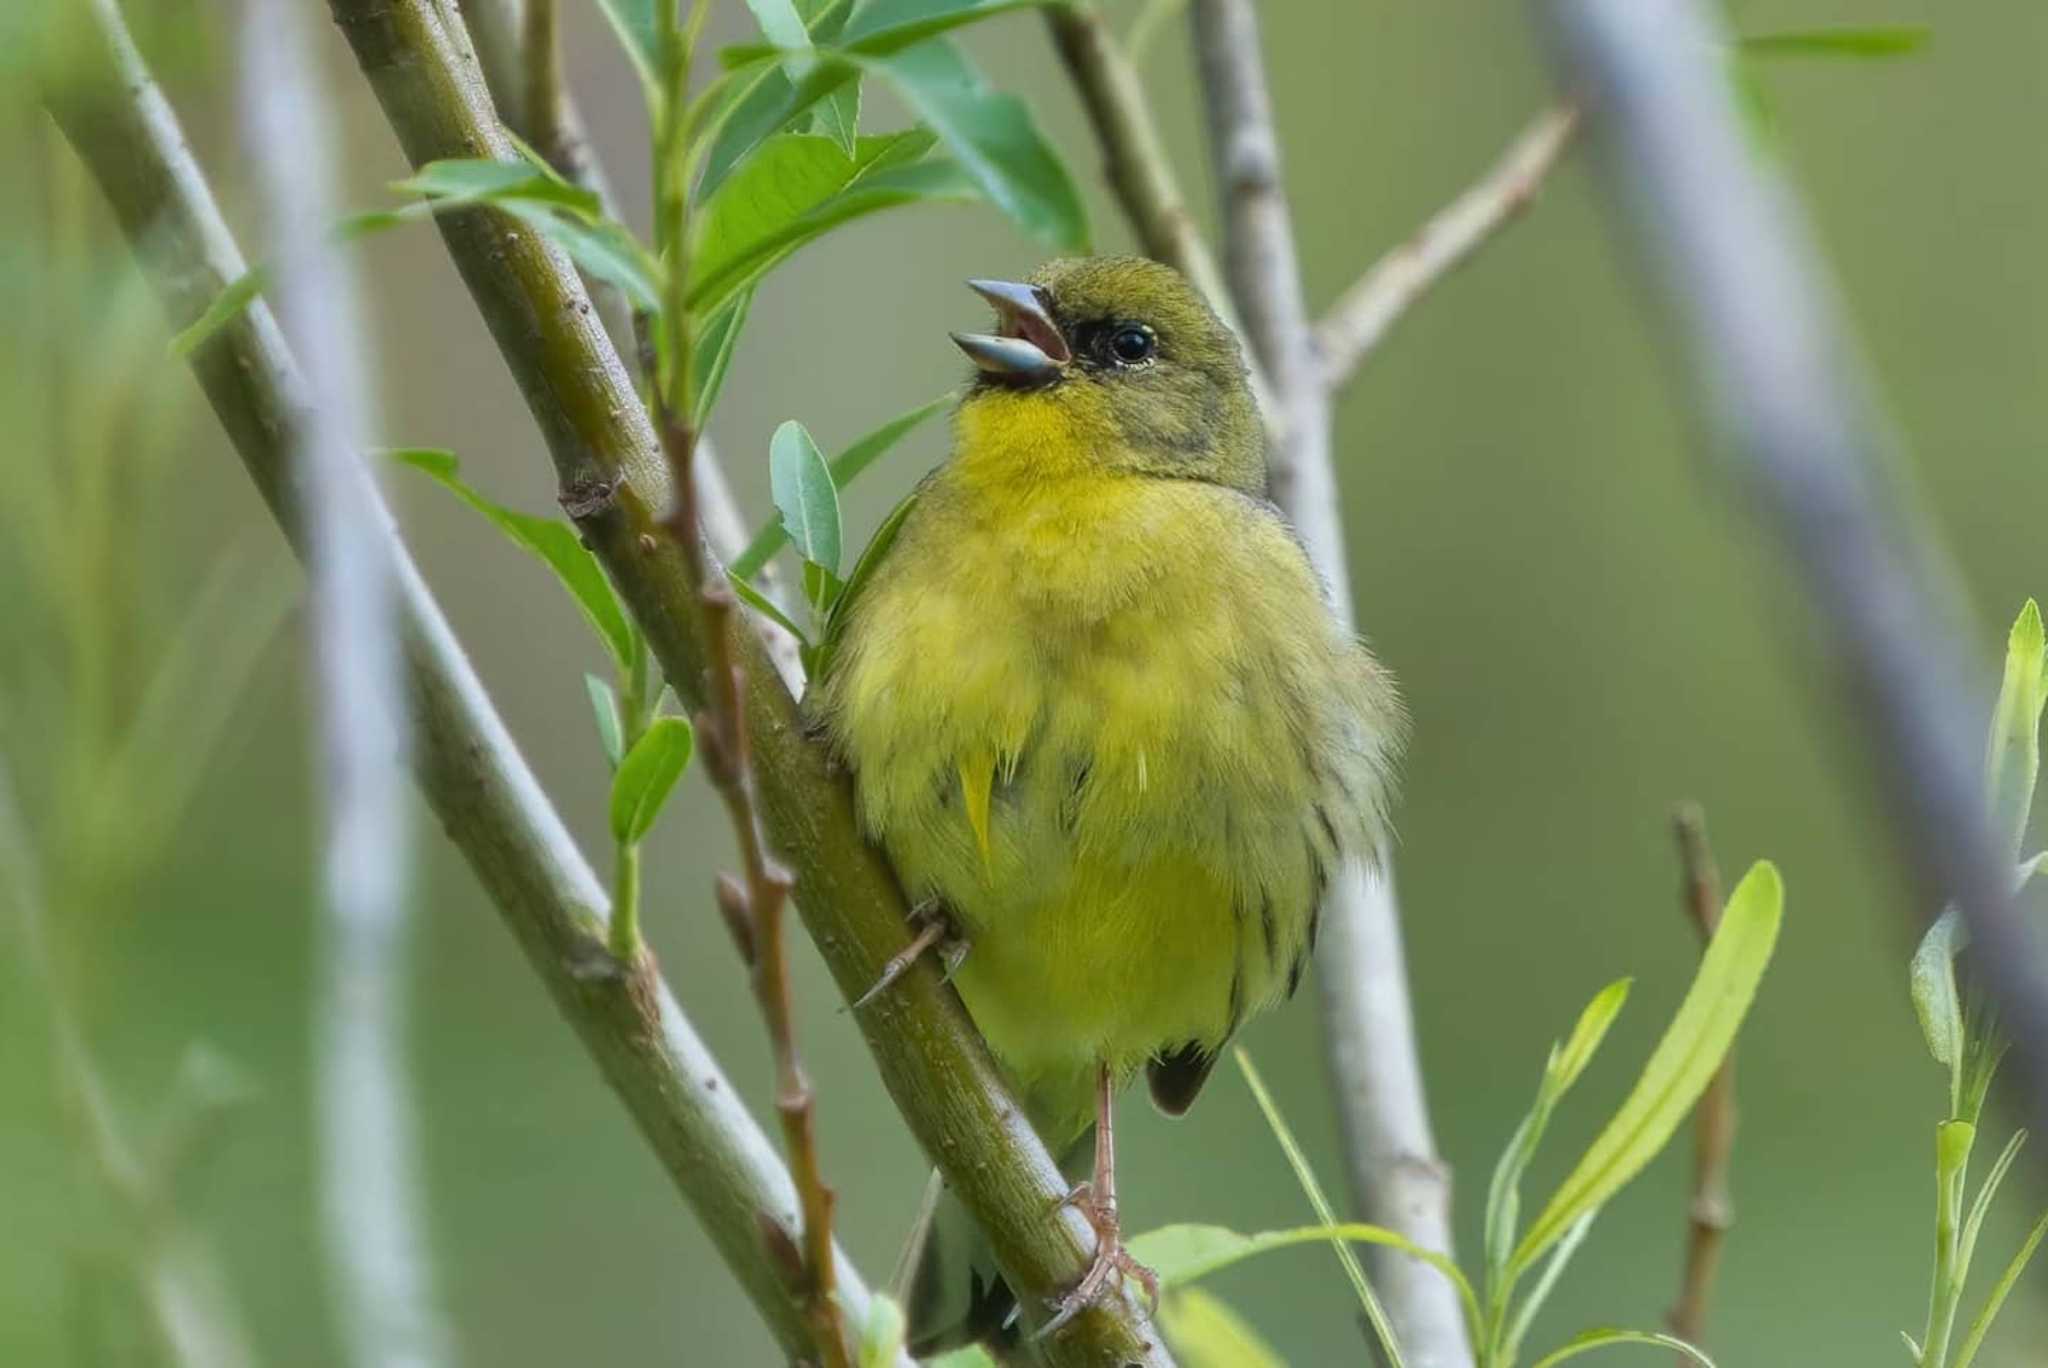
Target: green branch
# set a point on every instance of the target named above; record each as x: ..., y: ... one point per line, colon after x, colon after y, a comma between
x: 609, y: 467
x: 469, y: 767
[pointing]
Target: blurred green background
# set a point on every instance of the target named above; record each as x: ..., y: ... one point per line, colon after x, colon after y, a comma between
x: 1586, y: 630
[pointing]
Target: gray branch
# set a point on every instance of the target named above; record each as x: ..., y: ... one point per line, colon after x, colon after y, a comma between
x: 1369, y: 1031
x: 1778, y: 383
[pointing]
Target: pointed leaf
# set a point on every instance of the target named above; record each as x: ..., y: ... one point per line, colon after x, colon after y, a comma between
x: 1681, y: 1066
x: 605, y: 250
x: 1205, y: 1333
x: 646, y: 776
x: 555, y: 544
x: 711, y: 356
x: 1588, y: 1340
x: 1932, y: 979
x: 802, y: 486
x: 1981, y: 1325
x: 846, y: 466
x: 1184, y: 1253
x: 1877, y: 40
x: 639, y: 33
x: 863, y: 569
x: 604, y: 706
x: 2012, y: 760
x: 471, y: 180
x: 765, y: 606
x: 1585, y: 1038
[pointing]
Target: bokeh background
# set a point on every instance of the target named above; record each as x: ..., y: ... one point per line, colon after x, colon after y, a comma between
x: 1586, y: 628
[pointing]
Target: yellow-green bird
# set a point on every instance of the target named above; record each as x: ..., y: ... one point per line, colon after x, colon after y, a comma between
x: 1098, y: 710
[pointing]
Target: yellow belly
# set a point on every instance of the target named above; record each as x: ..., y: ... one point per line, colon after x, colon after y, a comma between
x: 1115, y: 733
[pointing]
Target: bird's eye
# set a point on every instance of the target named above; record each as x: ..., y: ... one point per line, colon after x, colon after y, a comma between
x: 1131, y: 344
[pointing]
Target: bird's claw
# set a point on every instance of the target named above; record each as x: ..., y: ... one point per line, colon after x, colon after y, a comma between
x: 935, y: 932
x: 1111, y: 1259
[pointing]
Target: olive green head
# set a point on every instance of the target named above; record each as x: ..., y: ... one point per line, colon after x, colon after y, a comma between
x: 1129, y: 361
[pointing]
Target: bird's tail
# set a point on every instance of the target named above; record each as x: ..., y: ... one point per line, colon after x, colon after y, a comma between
x: 947, y: 1280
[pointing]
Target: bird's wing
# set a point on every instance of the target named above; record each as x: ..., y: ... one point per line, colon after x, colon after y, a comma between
x: 840, y: 613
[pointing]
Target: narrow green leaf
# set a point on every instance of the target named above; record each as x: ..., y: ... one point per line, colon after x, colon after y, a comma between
x: 780, y: 24
x: 1585, y: 1038
x: 822, y: 588
x: 837, y: 116
x: 1525, y: 1314
x: 846, y: 467
x: 1184, y: 1253
x: 863, y: 569
x: 993, y: 137
x: 782, y: 198
x: 801, y: 484
x: 2012, y: 760
x: 1205, y: 1333
x: 1313, y: 1190
x: 1967, y: 1245
x: 1679, y: 1068
x: 1932, y: 981
x: 1979, y: 1327
x: 881, y: 1333
x: 638, y: 32
x: 769, y: 102
x: 1876, y: 40
x: 226, y: 306
x: 646, y: 776
x: 711, y: 356
x: 470, y: 180
x: 765, y: 606
x: 1588, y: 1340
x: 604, y: 249
x: 555, y: 544
x: 604, y: 705
x: 885, y: 26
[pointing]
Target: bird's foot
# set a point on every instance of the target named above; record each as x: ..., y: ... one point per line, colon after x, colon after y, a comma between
x: 1112, y: 1259
x: 936, y: 934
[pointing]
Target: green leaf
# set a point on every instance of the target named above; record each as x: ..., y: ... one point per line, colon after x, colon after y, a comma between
x: 863, y: 569
x: 1525, y: 1314
x: 646, y: 776
x: 1587, y: 1340
x: 2012, y: 759
x: 604, y: 705
x: 1205, y: 1333
x: 837, y: 116
x: 238, y: 295
x: 1305, y: 1175
x: 1182, y: 1254
x: 555, y: 544
x: 1566, y: 1063
x: 881, y: 1333
x: 890, y: 25
x: 605, y: 250
x: 711, y: 356
x: 993, y: 137
x: 846, y: 466
x: 1878, y: 40
x: 473, y: 180
x: 801, y: 484
x: 639, y: 33
x: 1681, y: 1066
x: 765, y: 606
x: 1932, y: 980
x: 1585, y: 1038
x: 1967, y: 1244
x: 968, y: 1356
x: 786, y: 195
x: 780, y: 24
x: 1980, y: 1326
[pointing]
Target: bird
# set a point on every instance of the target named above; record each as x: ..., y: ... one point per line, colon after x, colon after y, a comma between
x: 1101, y: 717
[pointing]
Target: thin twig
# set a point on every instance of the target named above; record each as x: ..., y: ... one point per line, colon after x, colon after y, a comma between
x: 468, y: 765
x: 1369, y: 1031
x: 758, y: 902
x: 370, y: 1197
x: 1712, y: 1211
x: 1778, y: 380
x: 610, y: 468
x: 1363, y: 316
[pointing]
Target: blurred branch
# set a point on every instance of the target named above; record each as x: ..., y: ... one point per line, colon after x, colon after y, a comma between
x: 371, y: 1205
x: 192, y: 1318
x: 608, y: 464
x: 1712, y: 1212
x: 468, y: 765
x: 1363, y: 316
x: 1369, y: 1032
x: 1777, y: 379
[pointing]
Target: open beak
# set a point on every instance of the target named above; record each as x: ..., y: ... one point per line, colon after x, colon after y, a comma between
x: 1026, y: 347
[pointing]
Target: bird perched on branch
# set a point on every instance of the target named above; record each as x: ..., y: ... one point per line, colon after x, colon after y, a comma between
x: 1100, y: 716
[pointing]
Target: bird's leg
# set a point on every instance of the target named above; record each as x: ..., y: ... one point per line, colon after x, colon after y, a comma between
x: 1096, y: 1199
x: 935, y: 929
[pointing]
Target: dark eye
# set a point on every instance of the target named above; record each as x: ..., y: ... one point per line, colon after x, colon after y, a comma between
x: 1130, y: 344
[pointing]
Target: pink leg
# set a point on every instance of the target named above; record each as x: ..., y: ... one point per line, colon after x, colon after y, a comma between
x: 1097, y: 1201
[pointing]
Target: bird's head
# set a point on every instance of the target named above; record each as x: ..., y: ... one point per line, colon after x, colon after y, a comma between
x: 1118, y: 361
